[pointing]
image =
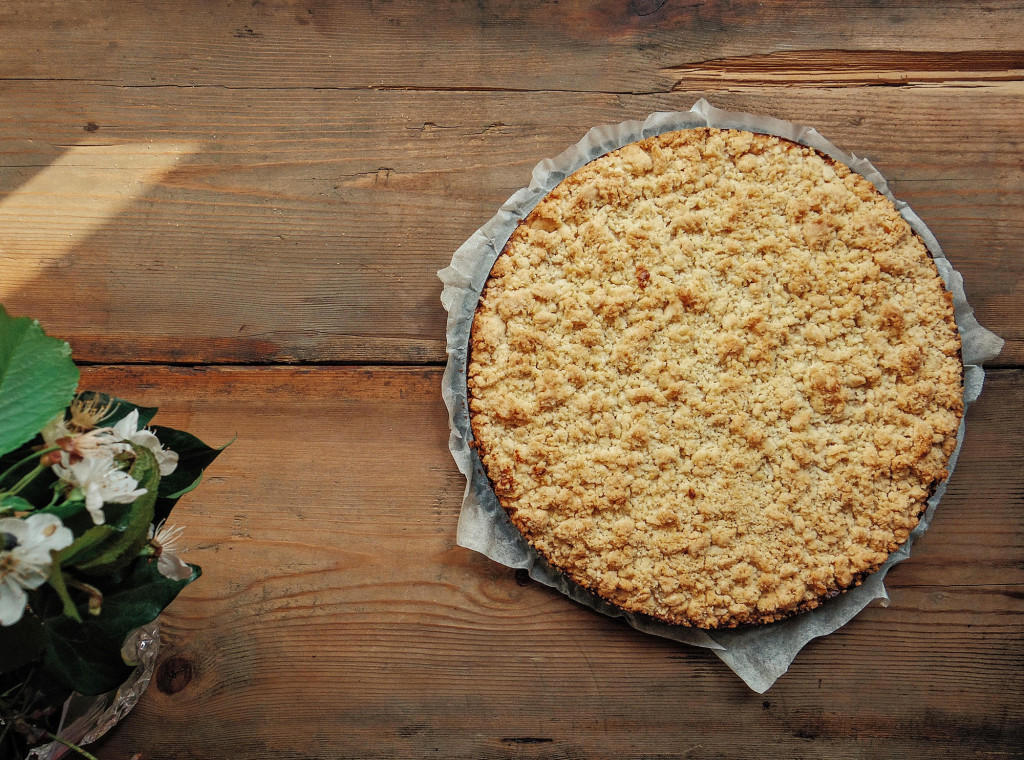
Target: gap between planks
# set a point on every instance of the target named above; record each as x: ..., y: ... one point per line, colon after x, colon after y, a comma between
x: 270, y: 363
x: 820, y: 68
x: 853, y: 68
x: 699, y: 81
x: 994, y: 366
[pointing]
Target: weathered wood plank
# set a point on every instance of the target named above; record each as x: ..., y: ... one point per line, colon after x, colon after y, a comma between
x: 853, y: 68
x: 307, y: 225
x: 607, y: 46
x: 329, y: 680
x: 272, y: 181
x: 336, y: 617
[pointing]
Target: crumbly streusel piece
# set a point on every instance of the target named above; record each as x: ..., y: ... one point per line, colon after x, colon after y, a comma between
x: 714, y: 377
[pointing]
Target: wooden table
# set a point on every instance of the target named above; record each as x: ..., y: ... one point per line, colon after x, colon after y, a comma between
x: 236, y: 210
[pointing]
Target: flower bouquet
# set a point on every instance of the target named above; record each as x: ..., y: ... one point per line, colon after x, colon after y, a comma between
x: 86, y: 557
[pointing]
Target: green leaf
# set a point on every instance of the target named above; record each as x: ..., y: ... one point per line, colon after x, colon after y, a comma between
x: 87, y: 656
x: 86, y: 546
x: 81, y: 660
x: 66, y: 510
x: 130, y: 521
x: 39, y: 490
x: 194, y: 457
x: 187, y: 489
x: 11, y: 503
x: 56, y: 581
x: 20, y: 643
x: 146, y: 472
x: 37, y: 379
x: 119, y: 408
x: 139, y: 599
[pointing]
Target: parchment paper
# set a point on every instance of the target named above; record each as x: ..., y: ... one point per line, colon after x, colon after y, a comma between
x: 758, y: 654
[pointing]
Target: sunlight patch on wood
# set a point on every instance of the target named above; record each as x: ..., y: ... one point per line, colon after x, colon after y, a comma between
x: 46, y: 217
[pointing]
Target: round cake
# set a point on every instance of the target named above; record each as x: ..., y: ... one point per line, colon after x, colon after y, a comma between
x: 714, y: 377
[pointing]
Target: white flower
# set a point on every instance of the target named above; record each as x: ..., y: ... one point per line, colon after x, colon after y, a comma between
x: 76, y: 445
x: 25, y: 560
x: 101, y: 482
x: 127, y: 429
x: 55, y: 430
x: 87, y: 411
x: 164, y: 541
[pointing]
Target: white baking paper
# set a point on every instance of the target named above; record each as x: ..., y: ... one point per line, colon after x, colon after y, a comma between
x: 758, y: 654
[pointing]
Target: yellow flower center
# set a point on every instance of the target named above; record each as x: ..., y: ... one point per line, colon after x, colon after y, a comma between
x: 88, y: 411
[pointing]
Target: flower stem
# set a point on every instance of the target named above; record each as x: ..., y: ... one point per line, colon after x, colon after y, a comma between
x: 72, y: 747
x: 54, y: 498
x: 11, y: 713
x: 95, y: 595
x: 64, y: 510
x: 28, y: 478
x: 26, y: 460
x: 3, y: 734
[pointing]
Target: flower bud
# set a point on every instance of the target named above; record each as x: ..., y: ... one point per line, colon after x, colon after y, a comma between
x: 50, y: 458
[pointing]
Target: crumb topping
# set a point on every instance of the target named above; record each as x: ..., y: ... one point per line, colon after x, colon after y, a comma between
x: 714, y: 377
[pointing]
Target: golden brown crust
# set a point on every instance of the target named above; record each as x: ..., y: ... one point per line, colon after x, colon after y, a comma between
x: 714, y: 377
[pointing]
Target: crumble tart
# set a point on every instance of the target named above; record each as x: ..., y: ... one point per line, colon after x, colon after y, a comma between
x: 714, y: 377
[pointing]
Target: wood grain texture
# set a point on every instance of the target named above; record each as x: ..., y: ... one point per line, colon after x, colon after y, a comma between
x: 268, y: 182
x: 337, y: 618
x: 627, y: 46
x: 855, y: 68
x: 308, y: 225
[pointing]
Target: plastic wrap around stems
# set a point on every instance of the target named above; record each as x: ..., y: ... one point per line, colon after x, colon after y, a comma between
x: 758, y: 654
x: 86, y: 719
